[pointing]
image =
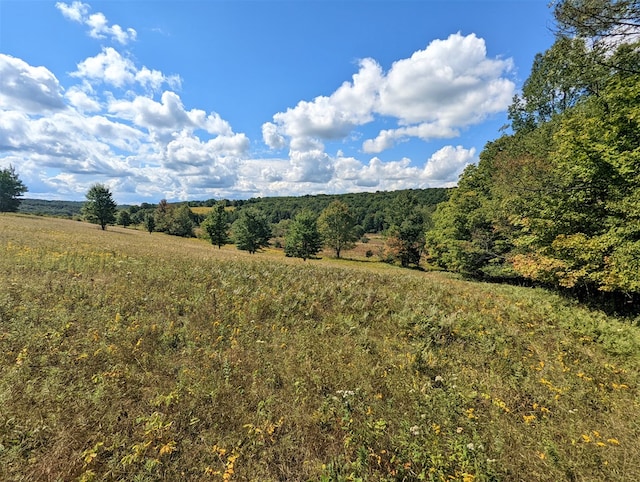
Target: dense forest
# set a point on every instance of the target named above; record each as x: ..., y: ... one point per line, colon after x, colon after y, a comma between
x: 370, y: 210
x: 557, y: 201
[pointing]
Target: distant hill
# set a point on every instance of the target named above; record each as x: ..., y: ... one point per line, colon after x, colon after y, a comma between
x: 63, y: 209
x: 368, y: 208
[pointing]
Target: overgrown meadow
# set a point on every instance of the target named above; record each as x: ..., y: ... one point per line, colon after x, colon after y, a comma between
x: 135, y: 356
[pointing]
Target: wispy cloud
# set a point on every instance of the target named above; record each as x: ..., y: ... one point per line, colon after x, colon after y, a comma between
x: 98, y: 24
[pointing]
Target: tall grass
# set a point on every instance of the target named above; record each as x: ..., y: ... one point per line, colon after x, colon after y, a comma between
x: 129, y: 356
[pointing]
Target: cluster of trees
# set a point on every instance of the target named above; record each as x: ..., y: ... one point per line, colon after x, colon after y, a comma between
x: 305, y: 235
x: 251, y: 230
x: 558, y: 200
x: 371, y: 211
x: 305, y: 231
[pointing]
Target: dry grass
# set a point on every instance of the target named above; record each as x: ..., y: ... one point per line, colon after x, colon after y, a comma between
x: 204, y: 210
x: 129, y: 356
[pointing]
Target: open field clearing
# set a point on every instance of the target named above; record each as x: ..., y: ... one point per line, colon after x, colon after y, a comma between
x: 133, y: 356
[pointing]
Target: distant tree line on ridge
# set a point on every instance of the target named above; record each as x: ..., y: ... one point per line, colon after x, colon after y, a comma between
x: 305, y: 224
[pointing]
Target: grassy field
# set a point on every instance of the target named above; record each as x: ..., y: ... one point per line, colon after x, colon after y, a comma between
x: 133, y: 356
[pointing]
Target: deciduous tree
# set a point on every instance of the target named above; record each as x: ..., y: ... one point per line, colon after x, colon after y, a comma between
x: 100, y: 207
x: 405, y: 236
x: 216, y: 225
x: 11, y: 189
x: 251, y: 230
x: 150, y: 223
x: 337, y: 227
x: 303, y: 239
x: 123, y: 218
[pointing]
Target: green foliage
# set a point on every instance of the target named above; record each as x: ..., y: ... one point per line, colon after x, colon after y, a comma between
x: 559, y: 78
x: 606, y: 23
x: 405, y: 236
x: 11, y: 189
x: 150, y: 223
x: 558, y: 202
x: 598, y: 162
x: 100, y: 207
x: 176, y: 220
x: 216, y: 225
x: 251, y: 230
x: 337, y: 227
x: 123, y: 218
x: 162, y: 215
x: 366, y: 209
x: 303, y: 239
x: 180, y: 222
x: 40, y: 207
x: 122, y: 358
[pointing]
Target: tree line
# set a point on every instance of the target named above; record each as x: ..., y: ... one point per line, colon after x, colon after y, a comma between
x: 557, y: 201
x: 250, y: 228
x: 306, y: 223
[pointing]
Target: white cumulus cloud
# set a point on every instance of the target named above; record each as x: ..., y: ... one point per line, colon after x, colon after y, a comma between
x: 140, y: 146
x: 446, y: 164
x: 434, y: 93
x: 27, y: 88
x: 331, y: 117
x: 81, y: 100
x: 168, y: 116
x: 111, y: 67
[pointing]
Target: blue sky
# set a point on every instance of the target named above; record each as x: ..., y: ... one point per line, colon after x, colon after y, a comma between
x: 191, y: 100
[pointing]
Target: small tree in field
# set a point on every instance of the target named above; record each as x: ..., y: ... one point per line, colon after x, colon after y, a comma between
x: 337, y: 227
x: 124, y: 218
x: 179, y: 222
x: 11, y: 188
x: 100, y: 207
x: 251, y: 230
x: 303, y: 239
x: 216, y: 226
x: 150, y: 223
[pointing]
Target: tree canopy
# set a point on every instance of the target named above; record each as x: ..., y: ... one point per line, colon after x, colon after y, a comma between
x: 100, y: 207
x: 216, y: 225
x: 11, y: 189
x: 251, y: 230
x: 337, y: 226
x: 303, y: 239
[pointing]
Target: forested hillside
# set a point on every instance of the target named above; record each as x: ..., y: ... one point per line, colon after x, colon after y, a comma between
x: 66, y: 209
x: 370, y: 210
x: 557, y: 201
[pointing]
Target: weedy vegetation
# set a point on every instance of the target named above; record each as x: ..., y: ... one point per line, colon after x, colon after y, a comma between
x: 126, y: 355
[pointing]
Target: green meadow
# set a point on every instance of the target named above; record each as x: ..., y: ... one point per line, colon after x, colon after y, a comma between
x: 133, y: 356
